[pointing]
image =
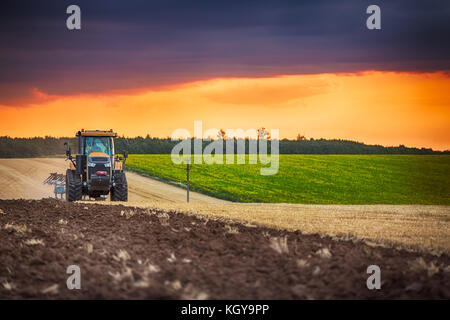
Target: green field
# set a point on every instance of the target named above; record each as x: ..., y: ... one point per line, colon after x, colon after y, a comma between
x: 315, y: 179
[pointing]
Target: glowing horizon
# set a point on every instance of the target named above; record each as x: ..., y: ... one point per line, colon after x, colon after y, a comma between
x: 373, y: 107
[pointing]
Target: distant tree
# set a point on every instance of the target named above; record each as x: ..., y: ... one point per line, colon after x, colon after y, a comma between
x: 221, y: 134
x: 263, y: 134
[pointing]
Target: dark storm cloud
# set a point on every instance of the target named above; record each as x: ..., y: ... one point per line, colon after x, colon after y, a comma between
x: 130, y: 44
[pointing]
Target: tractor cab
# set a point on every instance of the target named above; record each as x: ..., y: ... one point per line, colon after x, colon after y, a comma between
x: 96, y: 169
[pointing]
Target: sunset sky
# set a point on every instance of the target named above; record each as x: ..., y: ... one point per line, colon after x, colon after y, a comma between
x: 309, y: 67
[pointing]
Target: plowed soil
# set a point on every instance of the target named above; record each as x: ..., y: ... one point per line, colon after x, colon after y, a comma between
x: 137, y: 253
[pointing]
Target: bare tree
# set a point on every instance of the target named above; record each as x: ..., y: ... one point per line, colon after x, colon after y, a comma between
x: 221, y: 134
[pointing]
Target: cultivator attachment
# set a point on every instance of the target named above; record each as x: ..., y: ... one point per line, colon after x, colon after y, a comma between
x: 58, y: 180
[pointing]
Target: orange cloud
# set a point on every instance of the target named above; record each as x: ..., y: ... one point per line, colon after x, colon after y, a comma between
x: 385, y: 108
x: 275, y: 91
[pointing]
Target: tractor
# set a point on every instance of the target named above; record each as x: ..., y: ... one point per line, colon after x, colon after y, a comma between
x: 96, y: 170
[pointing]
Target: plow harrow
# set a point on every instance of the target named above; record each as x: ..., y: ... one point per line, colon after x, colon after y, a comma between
x: 58, y: 180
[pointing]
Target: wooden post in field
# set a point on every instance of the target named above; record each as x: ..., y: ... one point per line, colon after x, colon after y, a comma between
x: 187, y: 179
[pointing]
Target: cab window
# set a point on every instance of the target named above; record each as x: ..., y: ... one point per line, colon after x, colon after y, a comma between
x: 98, y: 144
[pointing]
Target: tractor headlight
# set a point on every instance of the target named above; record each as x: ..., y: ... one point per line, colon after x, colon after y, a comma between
x: 91, y: 164
x: 108, y: 164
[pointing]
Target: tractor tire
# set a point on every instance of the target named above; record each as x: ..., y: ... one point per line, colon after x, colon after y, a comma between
x: 120, y: 190
x: 73, y: 187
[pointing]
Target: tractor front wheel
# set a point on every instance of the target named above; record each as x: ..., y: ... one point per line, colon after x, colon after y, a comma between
x: 73, y: 186
x: 120, y: 190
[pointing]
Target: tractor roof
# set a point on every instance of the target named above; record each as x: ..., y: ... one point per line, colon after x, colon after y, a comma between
x: 96, y: 133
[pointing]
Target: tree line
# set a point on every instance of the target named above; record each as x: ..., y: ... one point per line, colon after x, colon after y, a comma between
x: 51, y: 146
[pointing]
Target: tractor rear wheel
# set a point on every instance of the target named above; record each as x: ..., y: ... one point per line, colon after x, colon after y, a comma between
x: 73, y: 186
x: 120, y: 190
